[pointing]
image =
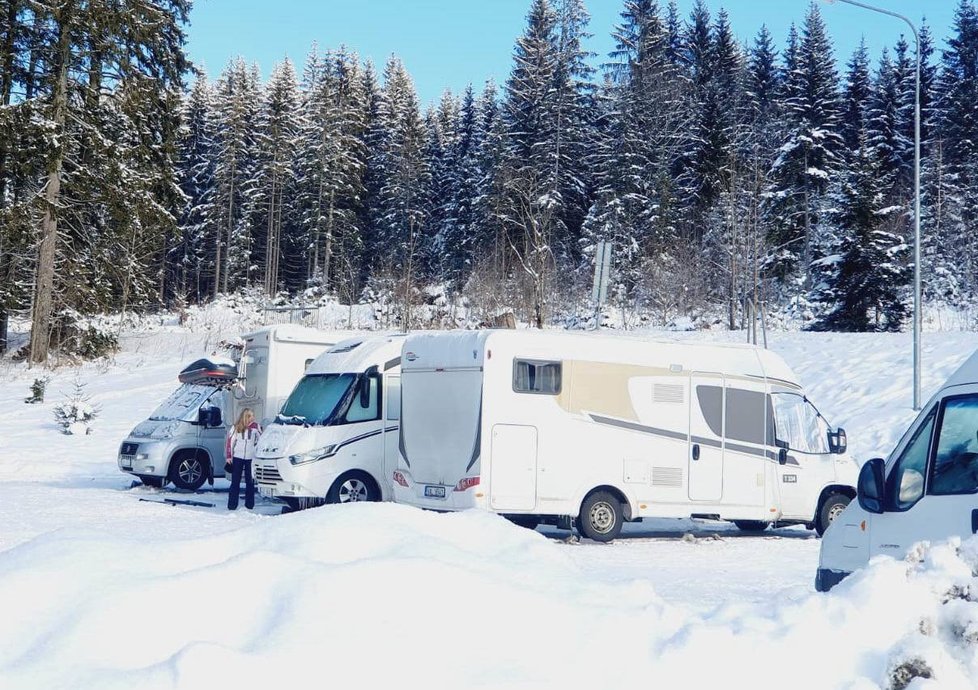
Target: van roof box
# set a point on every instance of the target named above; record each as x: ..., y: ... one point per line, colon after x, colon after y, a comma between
x: 209, y: 372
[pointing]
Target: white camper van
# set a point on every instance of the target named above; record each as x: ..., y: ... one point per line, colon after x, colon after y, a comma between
x: 596, y: 430
x: 336, y: 438
x: 183, y: 439
x: 926, y: 490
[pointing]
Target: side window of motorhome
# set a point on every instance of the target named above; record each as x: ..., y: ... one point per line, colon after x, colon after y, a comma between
x: 798, y: 424
x: 360, y: 413
x: 905, y: 482
x: 745, y: 413
x: 530, y: 376
x: 955, y: 469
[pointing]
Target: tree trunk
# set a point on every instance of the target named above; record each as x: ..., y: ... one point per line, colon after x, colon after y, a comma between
x: 47, y: 250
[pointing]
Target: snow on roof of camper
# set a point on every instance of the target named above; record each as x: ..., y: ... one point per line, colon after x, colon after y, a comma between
x: 359, y: 353
x: 297, y: 333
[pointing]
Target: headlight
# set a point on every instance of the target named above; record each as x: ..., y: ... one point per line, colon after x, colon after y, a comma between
x: 142, y: 456
x: 313, y: 455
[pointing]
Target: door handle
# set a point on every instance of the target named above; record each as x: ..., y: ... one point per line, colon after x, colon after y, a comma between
x: 974, y: 521
x: 696, y: 453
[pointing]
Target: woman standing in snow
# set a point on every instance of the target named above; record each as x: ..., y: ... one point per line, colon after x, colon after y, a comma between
x: 241, y: 446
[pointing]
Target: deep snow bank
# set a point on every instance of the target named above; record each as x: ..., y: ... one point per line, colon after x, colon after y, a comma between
x: 376, y: 595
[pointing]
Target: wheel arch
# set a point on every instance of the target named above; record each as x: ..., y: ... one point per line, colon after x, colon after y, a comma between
x: 627, y: 508
x: 356, y: 472
x: 844, y: 489
x: 196, y: 451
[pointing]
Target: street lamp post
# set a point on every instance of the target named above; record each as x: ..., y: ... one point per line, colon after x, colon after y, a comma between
x: 916, y: 191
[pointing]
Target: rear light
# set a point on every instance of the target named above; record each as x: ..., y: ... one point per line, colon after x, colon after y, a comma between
x: 466, y: 483
x: 399, y: 478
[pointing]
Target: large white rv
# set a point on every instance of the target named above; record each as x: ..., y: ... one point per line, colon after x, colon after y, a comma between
x: 336, y: 438
x: 595, y: 430
x: 926, y: 490
x: 183, y: 439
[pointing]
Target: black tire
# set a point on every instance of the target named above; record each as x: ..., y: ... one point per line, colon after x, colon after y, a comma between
x: 831, y: 508
x: 601, y: 517
x: 353, y: 487
x: 188, y: 471
x: 149, y: 480
x: 524, y: 521
x: 751, y: 525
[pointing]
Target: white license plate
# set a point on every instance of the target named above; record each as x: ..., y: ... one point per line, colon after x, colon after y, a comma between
x: 434, y: 491
x: 127, y: 461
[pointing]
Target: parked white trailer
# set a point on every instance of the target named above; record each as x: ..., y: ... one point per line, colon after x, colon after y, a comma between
x: 926, y: 490
x: 336, y: 438
x: 183, y: 439
x: 596, y: 430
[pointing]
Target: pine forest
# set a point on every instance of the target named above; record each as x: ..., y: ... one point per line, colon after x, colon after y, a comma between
x: 728, y: 176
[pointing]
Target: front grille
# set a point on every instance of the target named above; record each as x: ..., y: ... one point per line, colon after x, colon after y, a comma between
x: 267, y: 474
x: 128, y: 449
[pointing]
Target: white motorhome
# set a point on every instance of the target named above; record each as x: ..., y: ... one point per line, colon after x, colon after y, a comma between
x: 336, y: 438
x: 926, y: 490
x: 183, y: 439
x: 596, y: 430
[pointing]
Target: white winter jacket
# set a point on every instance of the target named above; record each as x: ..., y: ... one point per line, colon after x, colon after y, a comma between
x: 244, y: 445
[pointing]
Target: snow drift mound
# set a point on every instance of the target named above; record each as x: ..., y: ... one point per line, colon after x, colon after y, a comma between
x: 374, y: 595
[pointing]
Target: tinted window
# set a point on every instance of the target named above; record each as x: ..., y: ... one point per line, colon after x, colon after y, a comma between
x: 905, y: 483
x: 536, y: 377
x: 710, y: 399
x: 745, y: 415
x: 955, y: 469
x: 359, y: 412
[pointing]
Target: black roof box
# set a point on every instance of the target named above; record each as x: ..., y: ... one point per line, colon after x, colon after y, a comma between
x: 206, y: 371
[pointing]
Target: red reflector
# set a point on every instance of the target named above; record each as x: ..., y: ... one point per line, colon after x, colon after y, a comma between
x: 399, y: 478
x: 466, y: 483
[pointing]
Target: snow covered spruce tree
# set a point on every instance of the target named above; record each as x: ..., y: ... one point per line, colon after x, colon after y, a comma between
x: 107, y: 145
x: 808, y: 155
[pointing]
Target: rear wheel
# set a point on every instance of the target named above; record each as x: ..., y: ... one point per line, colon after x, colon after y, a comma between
x: 150, y: 480
x: 188, y: 471
x: 353, y: 487
x: 601, y: 517
x: 832, y: 507
x: 751, y: 525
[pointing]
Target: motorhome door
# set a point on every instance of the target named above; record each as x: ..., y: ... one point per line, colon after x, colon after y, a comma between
x: 931, y: 490
x: 705, y: 453
x: 513, y: 484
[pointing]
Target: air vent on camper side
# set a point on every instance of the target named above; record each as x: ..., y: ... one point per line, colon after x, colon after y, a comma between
x: 667, y: 476
x: 668, y: 393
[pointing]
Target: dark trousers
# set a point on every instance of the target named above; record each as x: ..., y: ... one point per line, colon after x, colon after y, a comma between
x: 239, y: 466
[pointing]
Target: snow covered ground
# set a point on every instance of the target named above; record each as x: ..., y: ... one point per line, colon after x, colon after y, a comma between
x: 102, y: 586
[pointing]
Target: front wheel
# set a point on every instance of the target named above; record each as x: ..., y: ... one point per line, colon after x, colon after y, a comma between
x: 601, y: 517
x: 189, y: 472
x: 832, y: 507
x: 353, y: 488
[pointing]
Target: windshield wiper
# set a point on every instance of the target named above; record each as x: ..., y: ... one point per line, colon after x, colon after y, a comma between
x: 292, y: 420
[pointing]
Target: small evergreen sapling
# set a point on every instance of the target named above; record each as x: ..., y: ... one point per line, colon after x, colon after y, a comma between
x: 76, y: 414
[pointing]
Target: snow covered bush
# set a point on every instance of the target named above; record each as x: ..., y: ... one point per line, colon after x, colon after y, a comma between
x: 76, y: 414
x: 37, y: 391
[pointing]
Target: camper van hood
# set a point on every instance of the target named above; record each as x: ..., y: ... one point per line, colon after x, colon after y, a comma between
x: 279, y: 440
x: 160, y: 430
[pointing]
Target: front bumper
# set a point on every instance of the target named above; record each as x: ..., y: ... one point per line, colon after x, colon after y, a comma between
x: 142, y: 458
x: 273, y: 482
x: 826, y: 579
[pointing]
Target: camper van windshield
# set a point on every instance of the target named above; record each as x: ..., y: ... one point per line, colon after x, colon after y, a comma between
x: 799, y: 424
x: 182, y: 404
x: 315, y: 398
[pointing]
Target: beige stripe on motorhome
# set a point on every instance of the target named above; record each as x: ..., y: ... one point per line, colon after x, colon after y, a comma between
x: 602, y: 387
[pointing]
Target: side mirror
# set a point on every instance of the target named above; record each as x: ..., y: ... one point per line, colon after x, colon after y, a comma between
x: 365, y: 391
x: 869, y: 487
x: 782, y: 456
x: 209, y: 417
x: 837, y: 441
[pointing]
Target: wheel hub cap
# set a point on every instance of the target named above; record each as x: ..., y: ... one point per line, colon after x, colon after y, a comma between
x: 190, y: 471
x: 602, y: 517
x: 352, y: 491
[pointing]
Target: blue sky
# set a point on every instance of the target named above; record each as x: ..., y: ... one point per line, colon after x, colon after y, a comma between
x: 449, y: 43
